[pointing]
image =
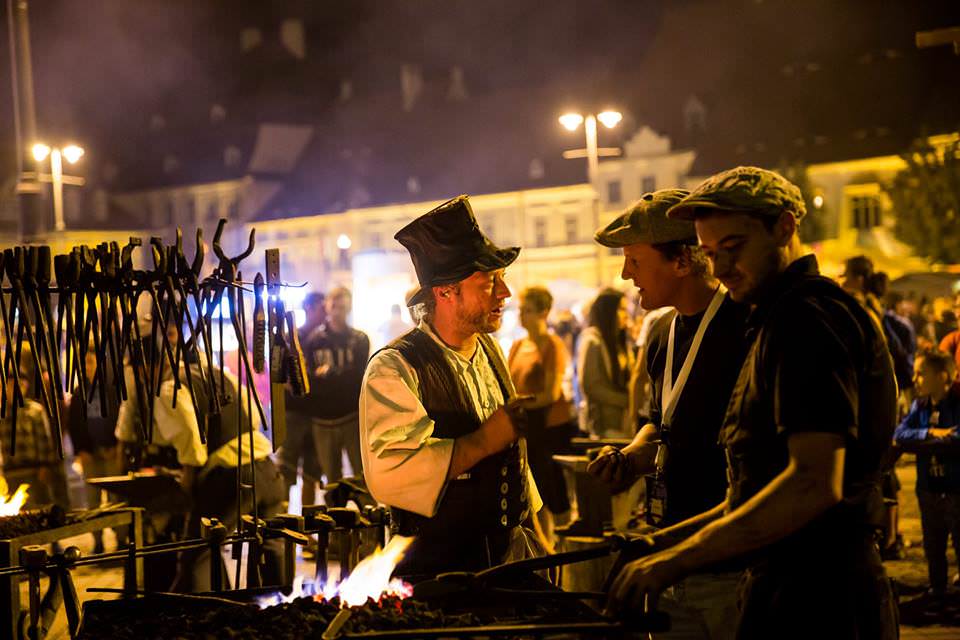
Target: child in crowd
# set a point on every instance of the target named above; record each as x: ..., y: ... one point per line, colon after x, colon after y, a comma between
x: 935, y: 415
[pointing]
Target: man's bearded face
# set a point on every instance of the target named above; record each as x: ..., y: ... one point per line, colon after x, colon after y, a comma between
x: 480, y: 301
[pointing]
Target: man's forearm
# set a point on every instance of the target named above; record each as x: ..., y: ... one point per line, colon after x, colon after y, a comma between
x: 468, y: 450
x: 789, y: 502
x: 682, y: 530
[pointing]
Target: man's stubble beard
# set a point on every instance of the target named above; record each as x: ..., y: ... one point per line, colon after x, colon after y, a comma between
x: 476, y: 322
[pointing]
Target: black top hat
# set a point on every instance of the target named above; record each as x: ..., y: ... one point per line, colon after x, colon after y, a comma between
x: 446, y: 246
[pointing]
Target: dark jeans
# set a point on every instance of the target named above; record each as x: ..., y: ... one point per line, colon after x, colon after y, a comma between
x: 299, y: 448
x: 215, y: 496
x: 331, y: 439
x: 939, y: 517
x: 837, y: 593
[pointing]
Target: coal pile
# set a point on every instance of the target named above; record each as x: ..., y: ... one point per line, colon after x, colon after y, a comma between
x: 32, y: 521
x: 199, y: 618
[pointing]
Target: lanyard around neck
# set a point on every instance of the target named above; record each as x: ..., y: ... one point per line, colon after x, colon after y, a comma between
x: 670, y: 392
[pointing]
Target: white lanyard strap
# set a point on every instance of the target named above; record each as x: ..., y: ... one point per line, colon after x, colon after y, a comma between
x: 670, y: 392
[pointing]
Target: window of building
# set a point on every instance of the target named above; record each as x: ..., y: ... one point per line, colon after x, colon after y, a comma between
x: 540, y: 231
x: 866, y: 211
x: 614, y: 191
x: 373, y: 240
x: 570, y: 228
x: 648, y: 184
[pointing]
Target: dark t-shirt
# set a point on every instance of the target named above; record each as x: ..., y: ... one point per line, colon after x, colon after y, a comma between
x: 336, y: 393
x: 817, y: 363
x: 696, y: 468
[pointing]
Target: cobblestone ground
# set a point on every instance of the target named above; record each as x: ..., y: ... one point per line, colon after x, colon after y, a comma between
x: 910, y: 572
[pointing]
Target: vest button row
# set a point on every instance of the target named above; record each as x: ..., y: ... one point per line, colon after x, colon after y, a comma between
x: 503, y: 520
x: 503, y: 471
x: 503, y: 504
x: 504, y: 488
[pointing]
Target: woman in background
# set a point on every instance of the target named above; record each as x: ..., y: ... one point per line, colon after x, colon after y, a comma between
x: 537, y: 365
x: 604, y: 363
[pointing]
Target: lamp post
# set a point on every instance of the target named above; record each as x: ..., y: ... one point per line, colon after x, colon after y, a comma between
x: 609, y: 119
x: 72, y: 153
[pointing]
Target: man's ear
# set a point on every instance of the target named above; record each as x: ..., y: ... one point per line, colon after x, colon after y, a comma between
x: 785, y: 228
x: 681, y: 265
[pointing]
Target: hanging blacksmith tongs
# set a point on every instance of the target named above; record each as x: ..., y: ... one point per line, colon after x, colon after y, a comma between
x: 16, y: 268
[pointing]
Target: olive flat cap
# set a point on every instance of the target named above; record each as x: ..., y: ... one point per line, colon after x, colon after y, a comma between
x: 645, y: 221
x: 746, y: 189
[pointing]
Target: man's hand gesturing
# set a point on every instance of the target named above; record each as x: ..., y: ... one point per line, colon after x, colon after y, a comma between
x: 614, y: 468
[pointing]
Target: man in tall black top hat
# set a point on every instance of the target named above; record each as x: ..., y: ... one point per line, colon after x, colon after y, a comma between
x: 438, y: 427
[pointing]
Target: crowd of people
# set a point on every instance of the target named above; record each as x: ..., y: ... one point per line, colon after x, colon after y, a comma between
x: 750, y: 402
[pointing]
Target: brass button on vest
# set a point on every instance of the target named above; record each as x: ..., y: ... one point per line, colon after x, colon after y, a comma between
x: 504, y: 488
x: 503, y: 520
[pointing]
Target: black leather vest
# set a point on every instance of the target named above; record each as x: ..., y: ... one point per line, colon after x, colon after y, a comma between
x: 490, y: 498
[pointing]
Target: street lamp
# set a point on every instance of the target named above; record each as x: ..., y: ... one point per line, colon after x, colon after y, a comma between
x: 72, y: 153
x: 609, y: 119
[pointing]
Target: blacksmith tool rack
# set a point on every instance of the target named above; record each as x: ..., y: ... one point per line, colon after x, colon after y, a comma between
x: 99, y: 307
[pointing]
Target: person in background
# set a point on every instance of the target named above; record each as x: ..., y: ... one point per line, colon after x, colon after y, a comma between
x: 902, y: 344
x: 34, y: 461
x: 298, y: 454
x: 604, y: 362
x: 395, y: 327
x: 338, y: 357
x: 951, y: 342
x: 935, y: 416
x: 567, y: 328
x: 208, y: 470
x: 945, y: 320
x: 537, y: 365
x: 94, y: 442
x: 901, y: 338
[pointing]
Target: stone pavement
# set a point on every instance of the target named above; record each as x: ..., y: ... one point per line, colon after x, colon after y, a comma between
x: 910, y: 573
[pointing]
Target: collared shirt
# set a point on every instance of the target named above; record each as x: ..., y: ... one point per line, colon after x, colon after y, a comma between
x: 817, y: 363
x: 34, y: 441
x: 404, y: 465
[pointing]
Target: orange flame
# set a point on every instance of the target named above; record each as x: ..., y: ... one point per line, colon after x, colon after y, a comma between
x: 372, y: 576
x: 370, y: 579
x: 11, y: 505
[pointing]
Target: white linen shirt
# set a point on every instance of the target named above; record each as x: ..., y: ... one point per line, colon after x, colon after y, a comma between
x: 404, y: 465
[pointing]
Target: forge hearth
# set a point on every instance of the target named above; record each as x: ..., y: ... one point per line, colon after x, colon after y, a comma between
x: 204, y: 617
x: 45, y: 526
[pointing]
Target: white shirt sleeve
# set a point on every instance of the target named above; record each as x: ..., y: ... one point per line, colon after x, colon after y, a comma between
x: 403, y: 464
x: 178, y: 426
x: 127, y: 415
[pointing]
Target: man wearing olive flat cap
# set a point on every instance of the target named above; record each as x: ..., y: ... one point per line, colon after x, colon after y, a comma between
x: 439, y: 423
x: 809, y: 422
x: 692, y: 358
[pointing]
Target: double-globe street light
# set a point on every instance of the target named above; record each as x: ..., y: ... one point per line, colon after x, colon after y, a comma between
x: 72, y: 153
x: 609, y: 119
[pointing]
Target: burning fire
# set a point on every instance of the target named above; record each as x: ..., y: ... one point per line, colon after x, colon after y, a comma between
x: 371, y: 579
x: 11, y: 505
